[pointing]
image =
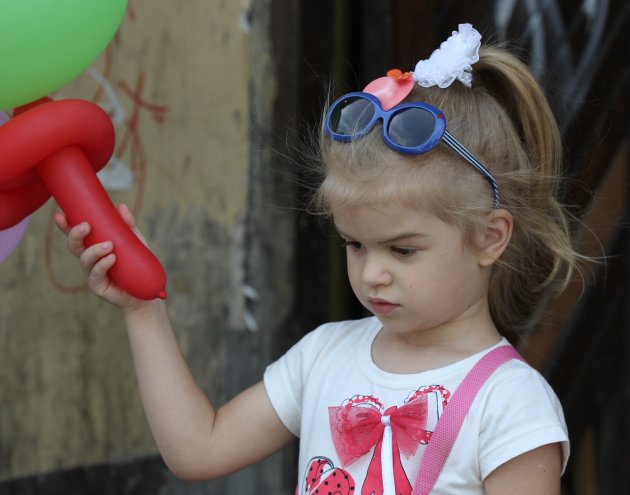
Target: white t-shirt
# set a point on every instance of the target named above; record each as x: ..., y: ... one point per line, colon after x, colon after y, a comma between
x: 515, y: 411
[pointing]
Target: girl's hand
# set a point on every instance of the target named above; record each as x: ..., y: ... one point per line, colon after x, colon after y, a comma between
x: 97, y: 259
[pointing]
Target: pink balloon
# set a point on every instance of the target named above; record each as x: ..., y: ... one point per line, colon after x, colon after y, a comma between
x: 10, y: 238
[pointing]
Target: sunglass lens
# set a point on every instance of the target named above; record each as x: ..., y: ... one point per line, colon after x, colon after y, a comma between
x: 351, y: 116
x: 411, y: 127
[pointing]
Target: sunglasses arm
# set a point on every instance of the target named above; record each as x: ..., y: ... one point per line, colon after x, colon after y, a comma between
x: 456, y: 146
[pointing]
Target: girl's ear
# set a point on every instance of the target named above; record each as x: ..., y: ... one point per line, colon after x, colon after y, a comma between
x: 495, y: 236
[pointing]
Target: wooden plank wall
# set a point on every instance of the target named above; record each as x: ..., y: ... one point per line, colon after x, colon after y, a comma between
x: 579, y: 52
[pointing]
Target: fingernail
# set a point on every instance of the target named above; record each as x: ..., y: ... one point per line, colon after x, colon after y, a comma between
x: 106, y: 245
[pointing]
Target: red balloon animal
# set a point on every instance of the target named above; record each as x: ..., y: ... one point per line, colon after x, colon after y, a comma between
x: 55, y: 148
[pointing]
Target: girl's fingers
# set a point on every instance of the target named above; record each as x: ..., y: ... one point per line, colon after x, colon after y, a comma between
x: 97, y: 277
x: 61, y: 222
x: 76, y: 237
x: 91, y: 256
x: 96, y: 260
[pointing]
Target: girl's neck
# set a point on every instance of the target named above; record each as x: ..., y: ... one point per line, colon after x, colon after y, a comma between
x: 433, y: 348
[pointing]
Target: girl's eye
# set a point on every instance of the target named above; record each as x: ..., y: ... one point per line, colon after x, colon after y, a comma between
x: 354, y: 245
x: 403, y: 251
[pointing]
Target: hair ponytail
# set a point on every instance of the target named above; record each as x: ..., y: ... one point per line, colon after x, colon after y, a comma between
x: 512, y: 84
x: 540, y: 254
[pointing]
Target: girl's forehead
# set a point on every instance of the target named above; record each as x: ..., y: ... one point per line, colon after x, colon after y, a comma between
x: 384, y: 222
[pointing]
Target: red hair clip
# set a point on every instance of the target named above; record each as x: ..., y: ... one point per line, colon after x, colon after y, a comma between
x: 397, y: 74
x: 392, y: 89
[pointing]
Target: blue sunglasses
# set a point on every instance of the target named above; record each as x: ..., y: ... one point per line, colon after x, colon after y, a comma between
x: 411, y: 128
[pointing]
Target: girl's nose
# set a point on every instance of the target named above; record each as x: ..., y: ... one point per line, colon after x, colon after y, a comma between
x: 375, y: 272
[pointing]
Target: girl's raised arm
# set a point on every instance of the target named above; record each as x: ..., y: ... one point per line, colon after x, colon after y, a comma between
x: 195, y: 441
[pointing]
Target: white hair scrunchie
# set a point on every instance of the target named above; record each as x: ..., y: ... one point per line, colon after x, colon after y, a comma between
x: 453, y: 60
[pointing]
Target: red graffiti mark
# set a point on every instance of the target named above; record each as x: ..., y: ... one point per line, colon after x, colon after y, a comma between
x: 108, y: 58
x: 131, y: 139
x: 129, y: 145
x: 131, y: 12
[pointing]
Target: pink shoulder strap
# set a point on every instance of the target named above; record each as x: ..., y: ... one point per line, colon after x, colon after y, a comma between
x: 449, y: 424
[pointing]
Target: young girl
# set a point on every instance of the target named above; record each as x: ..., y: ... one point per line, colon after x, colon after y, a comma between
x: 451, y: 230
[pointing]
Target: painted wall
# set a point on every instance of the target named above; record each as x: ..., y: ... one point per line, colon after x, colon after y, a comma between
x: 176, y: 80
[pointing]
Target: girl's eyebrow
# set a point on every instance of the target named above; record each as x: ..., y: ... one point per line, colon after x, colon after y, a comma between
x: 406, y: 236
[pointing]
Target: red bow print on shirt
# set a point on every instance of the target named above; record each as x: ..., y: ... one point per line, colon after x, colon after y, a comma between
x: 358, y: 426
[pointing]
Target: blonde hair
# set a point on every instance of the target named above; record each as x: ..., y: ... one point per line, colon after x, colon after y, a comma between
x: 506, y: 122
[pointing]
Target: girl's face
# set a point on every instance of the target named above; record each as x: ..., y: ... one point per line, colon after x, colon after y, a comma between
x: 412, y: 270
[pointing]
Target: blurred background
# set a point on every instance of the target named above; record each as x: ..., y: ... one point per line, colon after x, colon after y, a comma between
x: 213, y: 102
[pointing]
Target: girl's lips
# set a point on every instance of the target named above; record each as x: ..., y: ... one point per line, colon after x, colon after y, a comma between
x: 381, y: 307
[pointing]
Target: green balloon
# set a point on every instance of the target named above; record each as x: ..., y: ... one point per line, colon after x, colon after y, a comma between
x: 44, y: 44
